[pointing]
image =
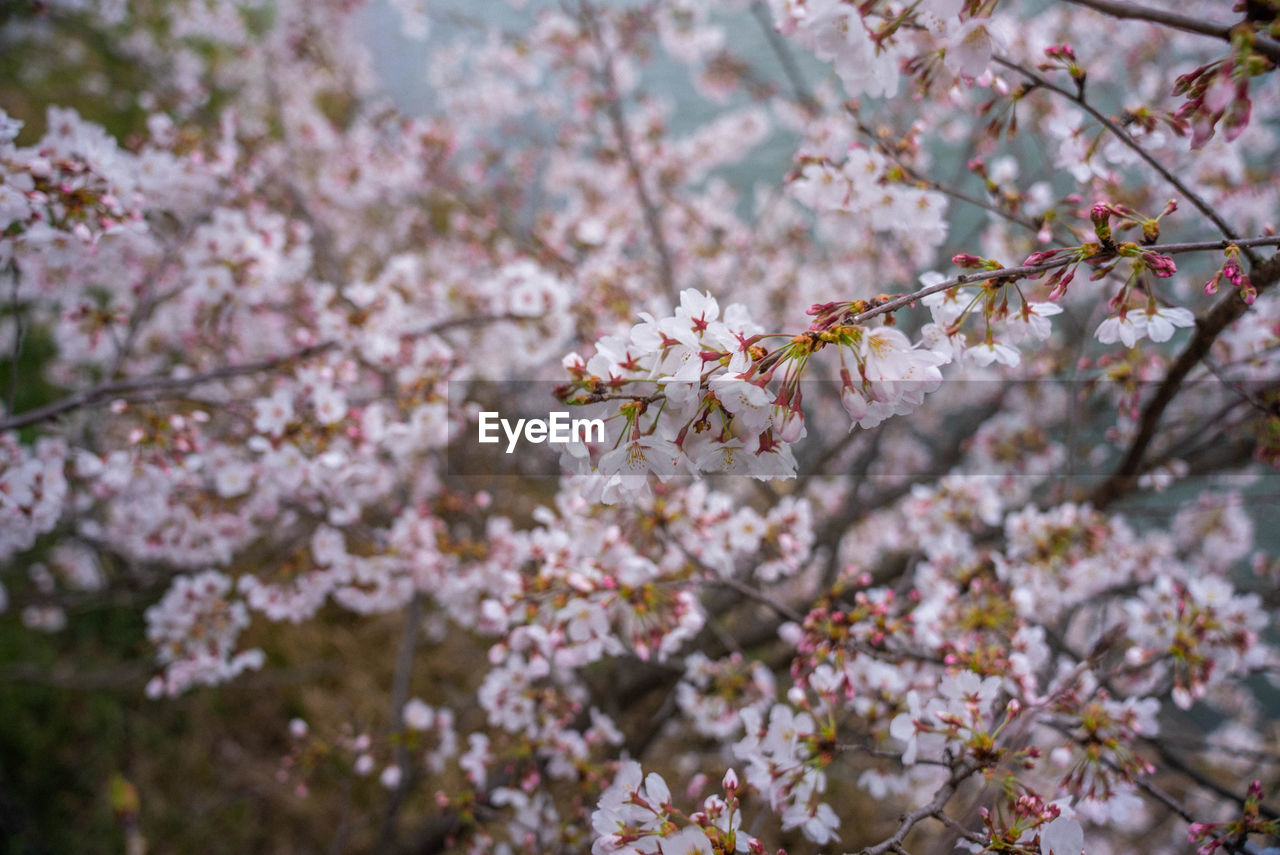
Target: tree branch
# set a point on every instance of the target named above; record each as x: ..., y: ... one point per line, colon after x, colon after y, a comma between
x: 613, y: 109
x: 936, y: 804
x: 1123, y: 135
x: 945, y: 189
x: 1227, y: 311
x: 1026, y: 270
x: 781, y: 49
x: 163, y: 383
x: 154, y: 383
x: 1134, y: 12
x: 399, y: 695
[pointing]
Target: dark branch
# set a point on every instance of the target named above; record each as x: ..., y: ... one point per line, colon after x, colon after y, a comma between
x: 613, y: 109
x: 152, y: 384
x: 1134, y: 12
x: 1123, y: 135
x: 1227, y: 311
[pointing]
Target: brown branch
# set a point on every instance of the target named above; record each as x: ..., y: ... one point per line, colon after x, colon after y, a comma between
x: 772, y: 603
x: 15, y: 307
x: 910, y: 820
x: 153, y: 383
x: 1134, y: 12
x: 1179, y: 765
x: 1012, y: 273
x: 399, y: 695
x: 1027, y: 270
x: 938, y: 186
x: 1227, y: 311
x: 1123, y: 135
x: 782, y: 50
x: 613, y: 109
x: 1253, y: 400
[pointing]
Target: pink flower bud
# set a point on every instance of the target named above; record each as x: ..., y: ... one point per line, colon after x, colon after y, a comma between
x: 821, y: 308
x: 1101, y: 216
x: 1160, y: 265
x: 790, y: 427
x: 730, y: 781
x: 1059, y: 282
x: 1040, y: 257
x: 1237, y: 117
x: 1231, y: 270
x: 1247, y: 292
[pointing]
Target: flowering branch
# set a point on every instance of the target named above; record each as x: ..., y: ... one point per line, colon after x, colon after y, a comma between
x: 1029, y: 269
x: 613, y: 109
x: 1124, y: 137
x: 933, y: 184
x: 166, y: 384
x: 800, y: 88
x: 1208, y: 328
x: 910, y: 820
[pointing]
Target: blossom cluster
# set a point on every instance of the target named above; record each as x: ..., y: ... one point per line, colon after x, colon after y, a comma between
x: 240, y: 339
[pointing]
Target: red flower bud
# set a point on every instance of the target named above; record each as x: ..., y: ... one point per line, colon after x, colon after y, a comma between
x: 1101, y: 216
x: 1040, y: 257
x: 1160, y: 265
x: 1231, y: 270
x: 1060, y: 281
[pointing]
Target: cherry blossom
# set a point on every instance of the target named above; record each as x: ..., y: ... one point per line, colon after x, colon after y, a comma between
x: 909, y: 481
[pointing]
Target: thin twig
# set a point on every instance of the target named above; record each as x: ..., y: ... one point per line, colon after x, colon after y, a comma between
x: 779, y: 607
x: 1027, y: 270
x: 781, y: 49
x: 910, y: 820
x: 1124, y: 137
x: 938, y: 186
x: 12, y: 269
x: 1254, y: 401
x: 163, y: 383
x: 1179, y: 765
x: 399, y: 695
x: 954, y: 825
x: 105, y: 392
x: 613, y: 109
x: 1227, y: 311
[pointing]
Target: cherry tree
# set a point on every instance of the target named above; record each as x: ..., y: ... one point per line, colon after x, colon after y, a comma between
x: 935, y: 505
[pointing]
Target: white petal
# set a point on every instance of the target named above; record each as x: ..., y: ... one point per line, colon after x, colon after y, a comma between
x: 1062, y: 836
